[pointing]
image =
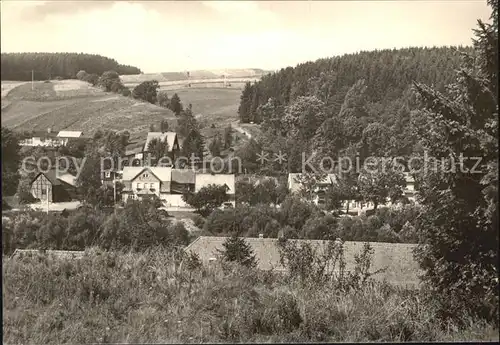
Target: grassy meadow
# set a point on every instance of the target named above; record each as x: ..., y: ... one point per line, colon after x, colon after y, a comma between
x: 154, y: 297
x: 75, y: 105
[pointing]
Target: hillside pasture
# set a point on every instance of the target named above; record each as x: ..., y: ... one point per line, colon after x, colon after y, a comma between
x: 75, y: 105
x: 218, y: 106
x: 7, y: 86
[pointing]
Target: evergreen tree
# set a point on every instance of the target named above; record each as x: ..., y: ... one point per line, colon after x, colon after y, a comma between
x: 238, y: 250
x: 175, y: 104
x: 459, y: 225
x: 228, y: 137
x: 244, y: 109
x: 215, y: 146
x: 193, y: 144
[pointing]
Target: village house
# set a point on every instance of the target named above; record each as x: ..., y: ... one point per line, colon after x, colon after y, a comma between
x: 138, y: 154
x: 50, y: 139
x: 169, y: 184
x: 143, y: 182
x: 47, y: 186
x: 295, y: 185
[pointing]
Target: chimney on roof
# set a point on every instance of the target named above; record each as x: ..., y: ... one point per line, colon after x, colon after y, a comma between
x: 261, y: 235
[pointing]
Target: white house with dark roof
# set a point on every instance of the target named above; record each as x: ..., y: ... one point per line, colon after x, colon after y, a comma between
x: 50, y: 139
x: 141, y: 182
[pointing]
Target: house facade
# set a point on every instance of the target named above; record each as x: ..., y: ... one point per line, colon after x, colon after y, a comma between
x: 295, y: 185
x: 169, y: 184
x: 143, y: 182
x: 46, y: 186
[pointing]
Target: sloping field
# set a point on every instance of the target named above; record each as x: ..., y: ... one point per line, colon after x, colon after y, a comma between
x: 75, y: 105
x: 218, y: 106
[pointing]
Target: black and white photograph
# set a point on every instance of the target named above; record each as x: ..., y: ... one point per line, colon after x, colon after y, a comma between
x: 249, y: 171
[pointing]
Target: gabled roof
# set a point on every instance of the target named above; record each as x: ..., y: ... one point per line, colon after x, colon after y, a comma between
x: 184, y: 176
x: 168, y: 136
x: 164, y: 174
x: 50, y: 175
x: 397, y: 258
x: 43, y: 134
x: 69, y: 134
x: 65, y: 178
x: 204, y: 180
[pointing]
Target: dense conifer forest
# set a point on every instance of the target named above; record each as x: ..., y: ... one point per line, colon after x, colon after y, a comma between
x: 19, y: 66
x: 356, y: 102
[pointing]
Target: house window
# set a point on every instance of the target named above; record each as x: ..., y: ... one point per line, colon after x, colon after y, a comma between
x: 44, y: 191
x: 151, y: 185
x: 139, y: 186
x: 145, y: 175
x: 108, y: 174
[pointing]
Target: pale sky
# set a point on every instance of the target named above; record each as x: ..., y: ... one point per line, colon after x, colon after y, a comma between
x: 188, y: 35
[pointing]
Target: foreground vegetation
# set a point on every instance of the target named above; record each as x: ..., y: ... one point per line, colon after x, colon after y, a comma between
x: 157, y: 297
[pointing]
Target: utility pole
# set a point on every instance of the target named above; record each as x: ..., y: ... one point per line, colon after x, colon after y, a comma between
x: 32, y: 78
x: 47, y: 199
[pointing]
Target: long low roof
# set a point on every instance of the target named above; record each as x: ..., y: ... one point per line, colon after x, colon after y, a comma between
x: 69, y: 134
x: 396, y: 258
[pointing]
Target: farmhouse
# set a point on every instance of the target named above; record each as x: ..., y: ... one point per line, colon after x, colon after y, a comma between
x: 47, y: 186
x: 143, y: 182
x: 395, y: 258
x: 169, y: 184
x: 228, y: 180
x: 50, y: 138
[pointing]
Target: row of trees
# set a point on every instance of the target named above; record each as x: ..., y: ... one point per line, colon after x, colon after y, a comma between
x: 296, y: 218
x: 137, y: 226
x: 19, y: 66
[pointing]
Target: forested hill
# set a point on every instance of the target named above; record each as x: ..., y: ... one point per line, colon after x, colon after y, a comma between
x: 353, y: 103
x: 387, y: 74
x: 18, y: 66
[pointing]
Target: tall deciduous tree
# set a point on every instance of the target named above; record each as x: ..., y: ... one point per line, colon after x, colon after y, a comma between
x: 207, y: 198
x: 459, y: 225
x: 381, y: 182
x: 146, y: 91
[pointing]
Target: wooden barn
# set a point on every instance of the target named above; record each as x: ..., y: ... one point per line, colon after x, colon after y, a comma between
x: 46, y: 185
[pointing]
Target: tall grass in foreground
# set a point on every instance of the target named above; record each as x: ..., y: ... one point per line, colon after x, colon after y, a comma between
x: 153, y: 297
